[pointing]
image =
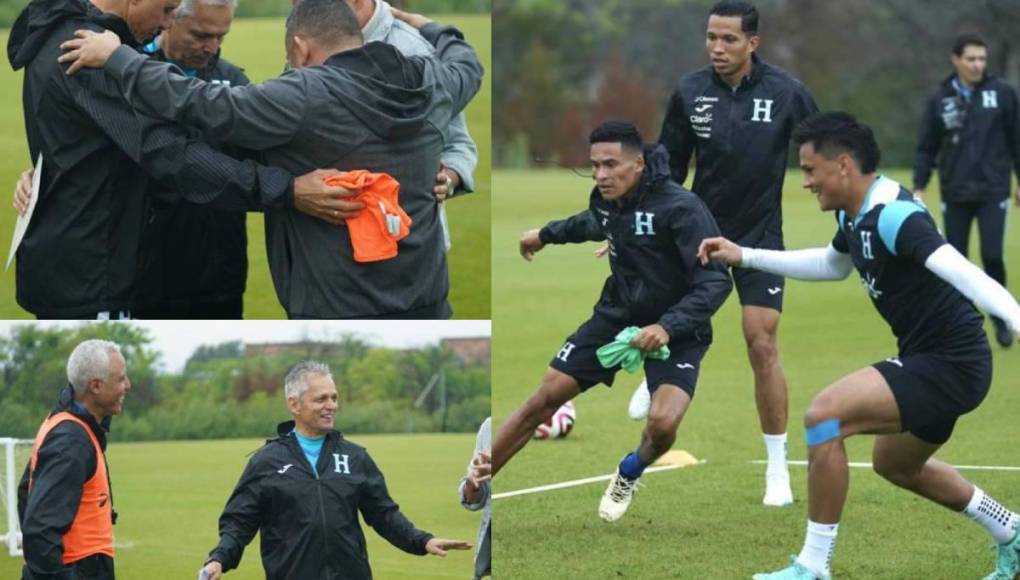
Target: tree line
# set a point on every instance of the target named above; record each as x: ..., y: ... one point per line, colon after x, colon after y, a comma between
x: 222, y: 393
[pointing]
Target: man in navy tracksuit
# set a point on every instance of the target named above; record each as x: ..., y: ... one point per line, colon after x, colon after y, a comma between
x: 971, y: 127
x: 737, y: 115
x: 653, y: 227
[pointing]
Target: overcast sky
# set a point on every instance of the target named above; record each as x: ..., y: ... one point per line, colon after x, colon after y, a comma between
x: 176, y: 340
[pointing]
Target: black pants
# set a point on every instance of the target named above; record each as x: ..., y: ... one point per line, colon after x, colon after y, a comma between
x: 991, y: 218
x: 227, y: 309
x: 97, y: 567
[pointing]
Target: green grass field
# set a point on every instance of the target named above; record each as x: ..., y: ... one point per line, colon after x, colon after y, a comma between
x: 170, y: 495
x: 257, y: 46
x: 706, y: 521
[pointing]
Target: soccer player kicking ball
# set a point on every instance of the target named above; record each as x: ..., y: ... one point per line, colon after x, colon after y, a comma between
x: 653, y: 227
x: 924, y: 289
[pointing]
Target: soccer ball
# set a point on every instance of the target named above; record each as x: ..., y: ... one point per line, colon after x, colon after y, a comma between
x: 559, y: 425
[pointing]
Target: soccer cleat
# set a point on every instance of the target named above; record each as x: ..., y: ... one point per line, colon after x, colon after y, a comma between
x: 617, y: 498
x: 640, y: 402
x: 1002, y: 334
x: 1007, y: 565
x: 795, y: 571
x: 777, y: 489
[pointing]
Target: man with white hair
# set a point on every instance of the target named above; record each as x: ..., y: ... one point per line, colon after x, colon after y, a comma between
x: 65, y: 501
x: 303, y: 491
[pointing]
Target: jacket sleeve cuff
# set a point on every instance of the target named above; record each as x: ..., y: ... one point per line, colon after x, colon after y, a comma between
x: 119, y: 61
x: 434, y: 30
x: 467, y: 178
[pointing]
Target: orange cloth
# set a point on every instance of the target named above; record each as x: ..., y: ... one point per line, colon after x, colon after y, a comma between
x: 91, y: 532
x: 370, y: 234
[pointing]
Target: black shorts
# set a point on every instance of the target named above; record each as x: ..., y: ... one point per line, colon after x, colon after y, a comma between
x: 758, y: 288
x: 933, y: 390
x: 577, y: 358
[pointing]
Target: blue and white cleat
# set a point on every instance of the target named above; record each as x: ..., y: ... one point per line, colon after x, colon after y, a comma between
x: 795, y: 571
x: 1007, y: 565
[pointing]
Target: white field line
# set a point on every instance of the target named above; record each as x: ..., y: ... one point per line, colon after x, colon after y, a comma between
x: 868, y: 465
x: 576, y: 482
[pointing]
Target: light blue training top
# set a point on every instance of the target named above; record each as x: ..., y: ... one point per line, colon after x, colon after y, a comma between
x: 312, y: 448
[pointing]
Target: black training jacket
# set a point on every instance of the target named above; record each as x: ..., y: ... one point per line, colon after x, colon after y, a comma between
x: 84, y: 251
x: 741, y: 137
x: 653, y: 243
x: 66, y: 461
x: 975, y: 143
x: 203, y: 251
x: 309, y: 524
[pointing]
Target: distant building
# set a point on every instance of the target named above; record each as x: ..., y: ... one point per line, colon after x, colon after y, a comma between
x: 476, y: 350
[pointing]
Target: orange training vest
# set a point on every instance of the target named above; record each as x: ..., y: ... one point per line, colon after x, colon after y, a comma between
x: 91, y: 532
x: 370, y: 235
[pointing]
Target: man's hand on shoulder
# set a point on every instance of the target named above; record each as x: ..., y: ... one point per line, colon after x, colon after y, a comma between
x: 415, y: 20
x: 531, y: 242
x: 88, y: 49
x: 439, y: 546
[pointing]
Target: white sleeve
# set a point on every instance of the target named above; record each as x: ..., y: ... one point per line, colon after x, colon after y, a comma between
x: 810, y: 264
x: 973, y: 283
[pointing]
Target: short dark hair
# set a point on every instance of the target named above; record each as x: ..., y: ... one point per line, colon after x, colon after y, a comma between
x: 327, y: 21
x: 967, y: 39
x: 623, y: 132
x: 833, y: 133
x: 747, y: 12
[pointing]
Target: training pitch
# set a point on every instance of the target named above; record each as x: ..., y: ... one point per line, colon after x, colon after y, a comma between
x: 706, y: 521
x: 170, y: 495
x: 257, y: 46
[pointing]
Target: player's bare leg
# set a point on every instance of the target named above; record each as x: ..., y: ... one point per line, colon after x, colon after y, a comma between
x: 905, y: 460
x: 669, y: 405
x: 557, y: 388
x: 761, y: 327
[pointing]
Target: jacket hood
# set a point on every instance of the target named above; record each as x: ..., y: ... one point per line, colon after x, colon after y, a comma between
x: 948, y: 81
x: 655, y: 174
x: 388, y: 96
x: 284, y: 429
x: 36, y: 22
x: 66, y: 403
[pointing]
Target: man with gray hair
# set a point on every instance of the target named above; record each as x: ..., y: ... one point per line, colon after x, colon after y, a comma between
x: 65, y: 501
x: 303, y: 491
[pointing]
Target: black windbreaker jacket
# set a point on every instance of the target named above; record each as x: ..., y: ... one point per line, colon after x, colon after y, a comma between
x: 309, y: 524
x: 66, y: 461
x: 84, y: 251
x: 742, y: 139
x: 203, y: 251
x: 653, y: 244
x: 976, y: 142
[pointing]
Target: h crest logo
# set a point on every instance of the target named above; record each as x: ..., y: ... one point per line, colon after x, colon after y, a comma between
x: 989, y: 99
x: 565, y: 351
x: 866, y: 245
x: 338, y: 463
x: 643, y: 223
x: 762, y: 111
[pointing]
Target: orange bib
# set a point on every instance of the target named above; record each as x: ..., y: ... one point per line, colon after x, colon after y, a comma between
x: 382, y: 223
x: 91, y: 532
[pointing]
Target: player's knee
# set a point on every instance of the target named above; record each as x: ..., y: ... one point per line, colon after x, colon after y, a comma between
x: 662, y: 432
x: 539, y: 408
x: 762, y: 350
x: 821, y: 422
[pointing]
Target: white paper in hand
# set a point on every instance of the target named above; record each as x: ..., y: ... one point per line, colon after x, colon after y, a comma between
x: 203, y: 574
x: 21, y: 226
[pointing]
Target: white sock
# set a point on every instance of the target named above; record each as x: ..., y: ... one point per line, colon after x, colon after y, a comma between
x: 818, y: 545
x: 1000, y: 522
x: 775, y: 446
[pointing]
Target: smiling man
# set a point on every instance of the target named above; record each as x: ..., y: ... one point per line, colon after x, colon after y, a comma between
x: 65, y: 500
x: 736, y: 115
x: 926, y: 292
x: 653, y: 227
x: 303, y: 491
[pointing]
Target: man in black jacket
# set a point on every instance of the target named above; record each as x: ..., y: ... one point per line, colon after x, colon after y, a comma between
x: 653, y: 227
x: 344, y: 104
x: 65, y: 501
x: 87, y: 245
x: 737, y: 114
x: 202, y: 257
x: 972, y: 126
x: 303, y: 491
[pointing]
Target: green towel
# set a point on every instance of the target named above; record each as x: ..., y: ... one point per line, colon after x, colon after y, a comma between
x: 620, y: 352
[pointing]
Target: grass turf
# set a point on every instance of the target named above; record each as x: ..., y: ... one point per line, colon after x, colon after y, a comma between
x: 707, y: 521
x: 257, y: 46
x: 170, y: 496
